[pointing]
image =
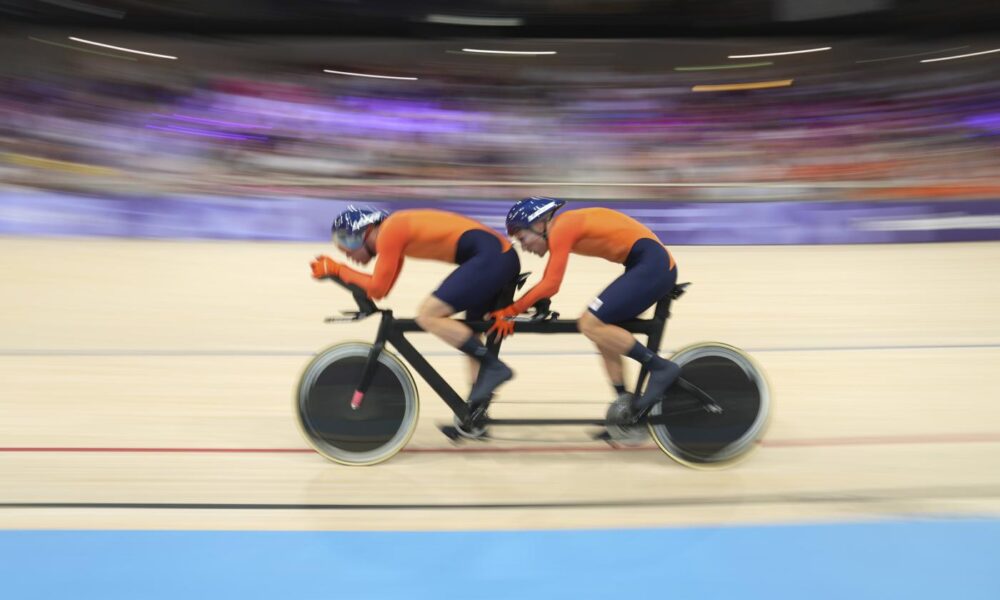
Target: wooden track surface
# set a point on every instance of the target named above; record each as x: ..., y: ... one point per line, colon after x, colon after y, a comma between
x: 882, y: 359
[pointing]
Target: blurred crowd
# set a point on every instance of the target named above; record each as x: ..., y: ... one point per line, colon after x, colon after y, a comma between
x: 596, y: 133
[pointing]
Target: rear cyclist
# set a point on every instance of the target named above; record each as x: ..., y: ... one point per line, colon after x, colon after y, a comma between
x: 486, y: 260
x: 650, y: 274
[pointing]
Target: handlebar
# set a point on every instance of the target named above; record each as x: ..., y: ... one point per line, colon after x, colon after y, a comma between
x: 365, y: 304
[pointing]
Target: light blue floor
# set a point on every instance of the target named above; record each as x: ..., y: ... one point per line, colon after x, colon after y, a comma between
x: 932, y: 559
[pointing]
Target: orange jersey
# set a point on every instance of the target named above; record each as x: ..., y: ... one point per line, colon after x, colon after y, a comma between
x: 429, y: 234
x: 600, y: 232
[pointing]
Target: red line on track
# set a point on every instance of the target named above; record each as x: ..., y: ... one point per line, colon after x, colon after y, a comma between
x: 956, y: 438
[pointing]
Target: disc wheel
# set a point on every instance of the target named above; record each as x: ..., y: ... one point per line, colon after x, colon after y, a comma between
x: 379, y: 428
x: 697, y: 434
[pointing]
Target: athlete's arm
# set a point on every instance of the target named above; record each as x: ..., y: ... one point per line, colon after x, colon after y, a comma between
x: 559, y: 248
x: 388, y: 264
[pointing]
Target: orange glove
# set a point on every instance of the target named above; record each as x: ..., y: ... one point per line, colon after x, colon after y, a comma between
x: 501, y: 326
x: 324, y: 267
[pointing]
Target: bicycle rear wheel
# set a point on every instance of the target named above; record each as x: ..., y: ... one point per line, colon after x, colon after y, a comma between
x: 688, y: 430
x: 379, y: 428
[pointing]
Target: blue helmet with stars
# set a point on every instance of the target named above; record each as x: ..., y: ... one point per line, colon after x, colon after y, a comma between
x: 529, y: 210
x: 350, y: 226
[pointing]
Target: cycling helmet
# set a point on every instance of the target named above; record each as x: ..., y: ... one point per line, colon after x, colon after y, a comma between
x: 350, y: 226
x: 527, y: 211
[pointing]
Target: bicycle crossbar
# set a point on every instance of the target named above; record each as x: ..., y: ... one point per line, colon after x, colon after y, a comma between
x: 641, y: 326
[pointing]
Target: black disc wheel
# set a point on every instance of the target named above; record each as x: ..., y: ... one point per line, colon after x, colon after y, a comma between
x: 382, y: 424
x: 718, y: 410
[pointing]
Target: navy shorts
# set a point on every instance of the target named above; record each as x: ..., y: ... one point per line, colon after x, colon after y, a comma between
x: 484, y: 269
x: 647, y: 278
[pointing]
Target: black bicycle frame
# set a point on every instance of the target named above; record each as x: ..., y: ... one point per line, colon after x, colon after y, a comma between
x: 392, y: 330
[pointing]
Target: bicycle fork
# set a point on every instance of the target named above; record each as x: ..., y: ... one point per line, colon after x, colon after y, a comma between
x: 372, y: 364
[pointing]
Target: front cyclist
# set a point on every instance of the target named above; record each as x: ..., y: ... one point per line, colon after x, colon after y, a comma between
x: 486, y: 263
x: 650, y: 274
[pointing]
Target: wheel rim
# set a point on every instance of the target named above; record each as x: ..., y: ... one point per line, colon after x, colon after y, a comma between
x: 379, y: 428
x: 720, y: 454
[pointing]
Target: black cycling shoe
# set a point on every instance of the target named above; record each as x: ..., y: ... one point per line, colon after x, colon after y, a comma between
x: 491, y: 376
x: 660, y: 381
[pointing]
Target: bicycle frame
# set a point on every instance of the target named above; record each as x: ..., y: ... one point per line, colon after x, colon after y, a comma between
x: 391, y: 330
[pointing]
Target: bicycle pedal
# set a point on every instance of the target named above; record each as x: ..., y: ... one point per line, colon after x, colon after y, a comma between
x: 482, y: 437
x: 601, y: 436
x: 451, y: 432
x: 470, y: 431
x: 606, y: 437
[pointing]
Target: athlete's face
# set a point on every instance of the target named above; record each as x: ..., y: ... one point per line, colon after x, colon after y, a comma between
x: 531, y: 239
x: 361, y: 256
x: 356, y: 250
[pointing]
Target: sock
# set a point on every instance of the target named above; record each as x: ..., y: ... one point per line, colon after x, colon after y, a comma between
x: 619, y: 388
x: 645, y: 356
x: 477, y: 350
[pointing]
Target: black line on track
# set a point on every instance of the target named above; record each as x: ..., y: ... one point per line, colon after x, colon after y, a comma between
x: 849, y: 496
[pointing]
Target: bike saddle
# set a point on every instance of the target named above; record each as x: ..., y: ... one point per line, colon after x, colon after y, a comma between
x: 679, y: 290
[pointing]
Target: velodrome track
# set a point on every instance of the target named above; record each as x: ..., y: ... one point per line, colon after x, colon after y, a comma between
x: 148, y: 385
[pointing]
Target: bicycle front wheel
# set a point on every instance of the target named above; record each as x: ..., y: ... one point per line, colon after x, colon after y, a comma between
x: 379, y: 428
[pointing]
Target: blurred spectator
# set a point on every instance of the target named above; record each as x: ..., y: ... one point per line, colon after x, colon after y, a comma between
x: 96, y: 130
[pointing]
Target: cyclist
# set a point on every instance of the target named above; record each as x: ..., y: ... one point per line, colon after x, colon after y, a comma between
x: 486, y: 263
x: 650, y: 274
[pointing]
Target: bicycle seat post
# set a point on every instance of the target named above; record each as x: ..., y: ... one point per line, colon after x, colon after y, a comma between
x: 503, y: 299
x: 661, y: 313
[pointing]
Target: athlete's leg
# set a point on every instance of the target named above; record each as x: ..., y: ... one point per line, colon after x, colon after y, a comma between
x: 473, y: 363
x: 647, y: 278
x: 612, y: 342
x: 485, y: 270
x: 433, y: 316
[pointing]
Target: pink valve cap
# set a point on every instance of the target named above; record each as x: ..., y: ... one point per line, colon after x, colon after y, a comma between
x: 356, y: 400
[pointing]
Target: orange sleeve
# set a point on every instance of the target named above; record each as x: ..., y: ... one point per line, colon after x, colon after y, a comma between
x: 390, y: 245
x: 560, y: 244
